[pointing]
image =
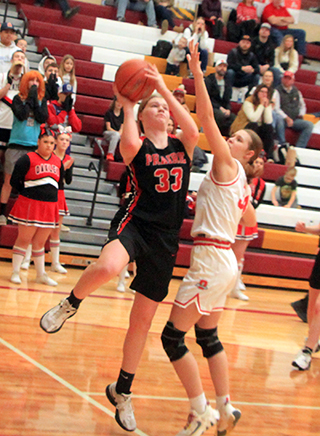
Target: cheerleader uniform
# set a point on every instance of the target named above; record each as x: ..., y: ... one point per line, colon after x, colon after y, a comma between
x: 258, y: 188
x: 62, y: 204
x: 37, y: 181
x: 213, y: 268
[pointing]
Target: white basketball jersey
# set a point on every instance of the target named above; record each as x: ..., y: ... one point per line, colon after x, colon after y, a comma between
x: 220, y: 206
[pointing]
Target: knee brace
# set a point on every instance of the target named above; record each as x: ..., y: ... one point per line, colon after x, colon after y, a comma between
x: 173, y: 342
x: 208, y: 341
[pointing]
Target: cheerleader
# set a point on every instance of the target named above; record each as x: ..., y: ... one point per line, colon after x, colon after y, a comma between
x: 246, y: 234
x: 63, y: 142
x: 36, y: 176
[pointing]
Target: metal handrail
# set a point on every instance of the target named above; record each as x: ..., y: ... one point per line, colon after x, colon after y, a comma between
x: 98, y: 170
x: 6, y: 11
x: 25, y: 22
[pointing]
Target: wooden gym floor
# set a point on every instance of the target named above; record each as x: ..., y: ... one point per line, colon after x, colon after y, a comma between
x: 53, y: 385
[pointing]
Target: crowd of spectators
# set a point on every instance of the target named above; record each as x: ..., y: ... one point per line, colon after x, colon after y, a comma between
x: 29, y: 99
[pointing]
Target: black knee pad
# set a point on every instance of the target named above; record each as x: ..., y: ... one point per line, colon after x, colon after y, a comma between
x: 208, y: 341
x: 173, y: 342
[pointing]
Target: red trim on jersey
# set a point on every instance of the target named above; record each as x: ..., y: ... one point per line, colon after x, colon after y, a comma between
x: 197, y: 298
x: 218, y: 243
x: 222, y: 183
x: 134, y: 203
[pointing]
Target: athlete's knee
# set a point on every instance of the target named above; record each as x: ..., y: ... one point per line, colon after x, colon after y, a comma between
x: 208, y: 341
x: 173, y: 342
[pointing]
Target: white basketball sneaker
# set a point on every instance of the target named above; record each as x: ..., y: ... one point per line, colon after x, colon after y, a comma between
x: 303, y: 361
x: 53, y: 320
x: 229, y: 416
x: 198, y: 424
x: 124, y: 410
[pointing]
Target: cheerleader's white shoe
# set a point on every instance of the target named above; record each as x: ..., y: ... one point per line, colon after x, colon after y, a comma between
x: 45, y: 280
x: 25, y: 265
x: 15, y: 278
x: 57, y: 267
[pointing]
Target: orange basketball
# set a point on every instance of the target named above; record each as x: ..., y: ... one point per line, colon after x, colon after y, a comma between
x: 131, y: 80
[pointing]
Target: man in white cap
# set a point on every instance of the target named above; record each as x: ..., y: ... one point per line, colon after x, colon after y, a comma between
x: 7, y: 46
x: 220, y: 91
x: 263, y: 47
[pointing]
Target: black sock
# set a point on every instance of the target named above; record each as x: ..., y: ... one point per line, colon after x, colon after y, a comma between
x: 307, y: 350
x: 124, y: 382
x: 73, y: 300
x: 3, y: 207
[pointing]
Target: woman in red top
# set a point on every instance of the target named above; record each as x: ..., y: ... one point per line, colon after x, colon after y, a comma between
x: 63, y: 142
x: 247, y: 18
x: 36, y: 176
x: 246, y: 234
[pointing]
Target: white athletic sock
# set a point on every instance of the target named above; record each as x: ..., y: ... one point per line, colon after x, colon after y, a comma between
x: 199, y: 404
x: 17, y: 258
x: 55, y: 251
x: 27, y: 257
x: 222, y: 401
x: 38, y: 259
x: 122, y: 276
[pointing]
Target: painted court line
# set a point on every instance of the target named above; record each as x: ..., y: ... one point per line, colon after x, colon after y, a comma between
x: 243, y: 403
x: 63, y: 382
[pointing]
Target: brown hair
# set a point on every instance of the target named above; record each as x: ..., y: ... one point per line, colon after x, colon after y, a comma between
x: 142, y: 105
x: 24, y: 85
x: 255, y: 98
x: 53, y: 64
x: 255, y: 145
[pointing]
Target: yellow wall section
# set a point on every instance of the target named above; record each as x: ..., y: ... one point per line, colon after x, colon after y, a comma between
x: 290, y: 241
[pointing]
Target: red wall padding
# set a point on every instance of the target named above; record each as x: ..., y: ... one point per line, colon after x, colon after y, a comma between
x: 279, y: 266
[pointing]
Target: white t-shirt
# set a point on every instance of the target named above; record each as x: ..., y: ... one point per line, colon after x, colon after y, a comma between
x: 6, y: 114
x: 6, y: 55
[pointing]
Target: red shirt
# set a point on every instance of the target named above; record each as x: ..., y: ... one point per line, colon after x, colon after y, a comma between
x: 270, y: 10
x: 245, y: 13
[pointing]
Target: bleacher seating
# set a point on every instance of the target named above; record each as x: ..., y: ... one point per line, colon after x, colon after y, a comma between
x: 97, y: 58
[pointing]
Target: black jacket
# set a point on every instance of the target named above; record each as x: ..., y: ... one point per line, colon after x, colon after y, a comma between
x: 214, y: 92
x: 263, y: 51
x: 237, y: 59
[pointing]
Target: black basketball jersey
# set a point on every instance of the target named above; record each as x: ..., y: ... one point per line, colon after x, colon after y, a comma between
x: 159, y: 183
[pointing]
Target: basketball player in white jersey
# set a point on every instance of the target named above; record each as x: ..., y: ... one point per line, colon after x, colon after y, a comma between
x: 223, y: 200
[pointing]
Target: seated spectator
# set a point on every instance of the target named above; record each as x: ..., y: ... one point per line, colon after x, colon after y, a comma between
x: 61, y: 111
x: 291, y: 107
x: 146, y: 6
x: 7, y: 46
x: 171, y: 129
x: 165, y: 16
x: 284, y: 193
x: 180, y: 95
x: 256, y: 114
x: 286, y: 57
x: 279, y: 18
x: 45, y: 61
x: 220, y: 91
x: 29, y: 112
x: 176, y: 56
x: 197, y: 32
x: 211, y: 12
x: 67, y: 73
x: 9, y: 87
x: 52, y: 81
x: 22, y: 45
x: 67, y: 11
x: 243, y: 67
x: 263, y: 48
x: 114, y: 121
x: 247, y: 18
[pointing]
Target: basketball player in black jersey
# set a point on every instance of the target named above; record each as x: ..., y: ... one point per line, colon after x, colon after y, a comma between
x: 145, y: 229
